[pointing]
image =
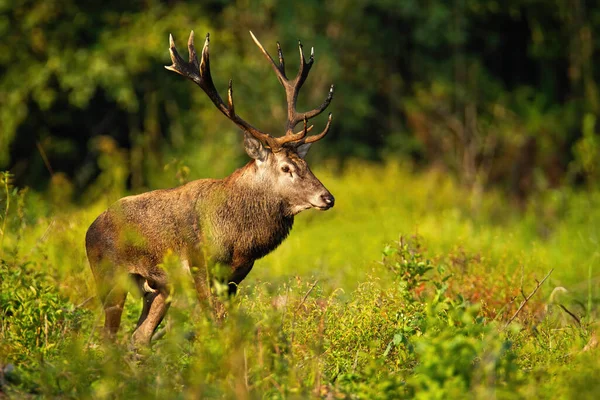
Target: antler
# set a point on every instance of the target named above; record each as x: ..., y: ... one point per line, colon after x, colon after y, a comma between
x: 292, y: 88
x: 199, y: 73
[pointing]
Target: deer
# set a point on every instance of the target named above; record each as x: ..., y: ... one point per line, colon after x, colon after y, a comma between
x: 229, y: 222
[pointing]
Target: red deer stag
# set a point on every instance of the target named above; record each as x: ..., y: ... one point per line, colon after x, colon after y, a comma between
x: 229, y: 222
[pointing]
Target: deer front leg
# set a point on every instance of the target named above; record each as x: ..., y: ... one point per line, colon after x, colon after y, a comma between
x: 238, y: 275
x: 205, y: 279
x: 156, y: 305
x: 209, y: 301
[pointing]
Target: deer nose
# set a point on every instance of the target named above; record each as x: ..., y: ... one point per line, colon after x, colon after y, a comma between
x: 328, y: 199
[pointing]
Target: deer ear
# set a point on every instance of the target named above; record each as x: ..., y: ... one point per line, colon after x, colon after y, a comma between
x: 303, y: 149
x: 255, y: 148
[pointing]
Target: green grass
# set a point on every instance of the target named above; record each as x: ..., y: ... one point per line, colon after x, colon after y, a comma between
x: 402, y: 290
x: 374, y: 205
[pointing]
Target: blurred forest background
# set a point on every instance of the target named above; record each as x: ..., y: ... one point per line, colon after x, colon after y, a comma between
x: 499, y: 93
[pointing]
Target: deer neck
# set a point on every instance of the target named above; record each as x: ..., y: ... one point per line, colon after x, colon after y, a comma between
x: 250, y: 220
x: 253, y: 197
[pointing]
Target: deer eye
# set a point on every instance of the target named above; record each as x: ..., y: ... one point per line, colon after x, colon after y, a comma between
x: 285, y: 169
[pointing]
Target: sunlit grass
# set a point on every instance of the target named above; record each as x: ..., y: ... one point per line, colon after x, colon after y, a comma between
x: 352, y: 330
x: 376, y: 204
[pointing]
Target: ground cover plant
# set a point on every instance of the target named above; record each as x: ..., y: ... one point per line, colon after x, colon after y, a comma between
x: 408, y: 294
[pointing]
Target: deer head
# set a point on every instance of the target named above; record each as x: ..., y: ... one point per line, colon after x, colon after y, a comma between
x: 278, y: 161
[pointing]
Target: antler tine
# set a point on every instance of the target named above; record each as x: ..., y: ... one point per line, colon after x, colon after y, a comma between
x: 291, y: 137
x: 263, y: 137
x: 302, y: 60
x: 179, y: 66
x: 313, y: 113
x: 230, y: 96
x: 278, y: 69
x: 281, y: 61
x: 314, y: 138
x: 304, y: 128
x: 193, y: 57
x: 297, y: 139
x: 304, y: 68
x: 308, y: 129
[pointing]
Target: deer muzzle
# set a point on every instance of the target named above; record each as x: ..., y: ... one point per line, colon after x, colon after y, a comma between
x: 325, y: 201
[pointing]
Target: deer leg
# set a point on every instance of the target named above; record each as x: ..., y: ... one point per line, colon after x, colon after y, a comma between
x: 238, y: 275
x: 113, y: 309
x: 147, y: 300
x: 156, y: 305
x: 200, y: 272
x: 147, y: 293
x: 205, y: 273
x: 208, y: 300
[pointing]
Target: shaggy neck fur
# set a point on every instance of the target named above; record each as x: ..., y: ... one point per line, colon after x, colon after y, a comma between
x: 250, y: 221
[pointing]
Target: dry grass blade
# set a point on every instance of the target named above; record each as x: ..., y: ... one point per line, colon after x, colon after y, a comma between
x: 307, y: 294
x: 524, y: 302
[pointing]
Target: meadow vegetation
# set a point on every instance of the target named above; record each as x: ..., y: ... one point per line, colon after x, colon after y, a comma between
x: 463, y: 156
x: 403, y: 290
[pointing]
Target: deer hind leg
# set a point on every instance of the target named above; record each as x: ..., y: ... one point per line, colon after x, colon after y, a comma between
x: 113, y: 304
x: 111, y: 292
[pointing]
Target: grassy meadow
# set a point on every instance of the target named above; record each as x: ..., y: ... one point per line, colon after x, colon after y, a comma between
x: 408, y: 288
